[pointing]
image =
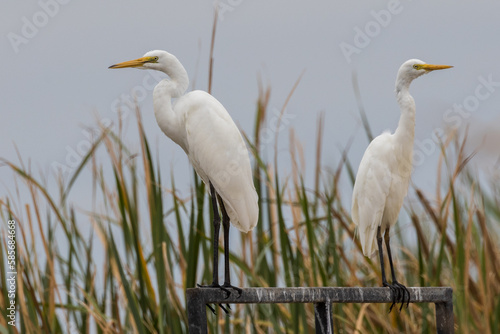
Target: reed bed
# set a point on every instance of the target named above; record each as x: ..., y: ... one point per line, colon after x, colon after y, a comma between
x: 124, y: 266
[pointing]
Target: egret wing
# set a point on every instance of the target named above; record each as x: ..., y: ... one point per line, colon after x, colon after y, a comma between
x: 371, y: 190
x: 218, y: 153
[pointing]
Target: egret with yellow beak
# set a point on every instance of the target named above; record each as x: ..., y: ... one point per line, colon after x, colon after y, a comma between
x: 384, y: 176
x: 202, y: 127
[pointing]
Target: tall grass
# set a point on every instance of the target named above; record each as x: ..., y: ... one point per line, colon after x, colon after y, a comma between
x: 148, y: 244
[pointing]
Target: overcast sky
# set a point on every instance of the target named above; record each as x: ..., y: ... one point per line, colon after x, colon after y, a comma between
x: 55, y: 78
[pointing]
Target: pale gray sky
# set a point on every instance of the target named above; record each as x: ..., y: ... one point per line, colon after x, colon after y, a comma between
x: 55, y: 55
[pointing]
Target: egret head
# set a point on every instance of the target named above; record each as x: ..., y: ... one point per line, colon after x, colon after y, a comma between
x: 162, y: 61
x: 412, y: 69
x: 152, y: 60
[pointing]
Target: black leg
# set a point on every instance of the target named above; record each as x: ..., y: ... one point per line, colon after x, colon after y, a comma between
x: 216, y: 223
x: 226, y: 225
x: 402, y: 290
x: 384, y: 280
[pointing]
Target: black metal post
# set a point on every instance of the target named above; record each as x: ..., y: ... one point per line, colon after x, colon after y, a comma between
x: 323, y: 318
x: 197, y: 314
x: 445, y: 322
x: 322, y: 298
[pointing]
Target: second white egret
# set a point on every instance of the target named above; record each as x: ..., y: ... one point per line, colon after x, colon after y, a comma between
x: 384, y: 176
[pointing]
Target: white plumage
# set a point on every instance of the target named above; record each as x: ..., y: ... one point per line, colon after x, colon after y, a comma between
x: 200, y: 124
x: 381, y: 185
x: 218, y: 154
x: 384, y: 176
x: 384, y: 172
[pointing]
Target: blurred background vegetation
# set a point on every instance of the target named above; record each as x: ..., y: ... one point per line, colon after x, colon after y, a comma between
x: 147, y: 244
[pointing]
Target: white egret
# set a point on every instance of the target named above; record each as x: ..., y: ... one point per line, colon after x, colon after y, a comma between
x: 203, y: 128
x: 384, y: 176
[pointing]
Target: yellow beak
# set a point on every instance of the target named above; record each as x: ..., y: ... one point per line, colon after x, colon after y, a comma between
x: 429, y: 67
x: 139, y: 62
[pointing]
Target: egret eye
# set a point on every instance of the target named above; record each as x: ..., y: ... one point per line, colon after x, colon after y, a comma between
x: 415, y: 66
x: 155, y: 58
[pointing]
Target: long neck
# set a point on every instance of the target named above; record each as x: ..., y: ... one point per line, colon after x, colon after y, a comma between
x: 168, y: 119
x: 406, y: 126
x: 405, y: 133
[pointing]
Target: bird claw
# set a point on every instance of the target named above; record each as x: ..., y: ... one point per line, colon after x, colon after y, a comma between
x: 211, y: 309
x: 223, y: 288
x: 216, y: 286
x: 229, y: 286
x: 224, y: 309
x: 399, y: 293
x: 394, y: 294
x: 404, y: 292
x: 228, y: 293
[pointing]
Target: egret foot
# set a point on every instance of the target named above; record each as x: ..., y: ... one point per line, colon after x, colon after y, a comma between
x: 404, y: 292
x: 399, y: 294
x: 225, y: 309
x: 222, y: 307
x: 394, y: 294
x: 229, y: 286
x: 211, y: 309
x: 216, y: 286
